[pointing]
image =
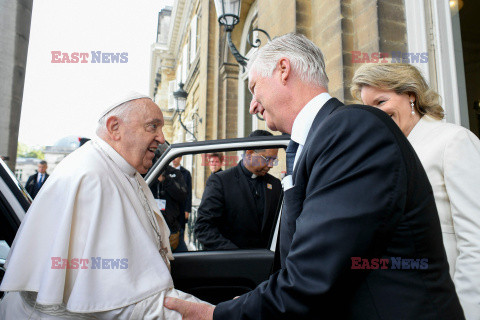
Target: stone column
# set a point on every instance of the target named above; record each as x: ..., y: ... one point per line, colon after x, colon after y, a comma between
x: 15, y: 18
x: 229, y: 104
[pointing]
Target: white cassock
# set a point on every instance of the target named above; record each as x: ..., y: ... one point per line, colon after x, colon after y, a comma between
x: 96, y: 207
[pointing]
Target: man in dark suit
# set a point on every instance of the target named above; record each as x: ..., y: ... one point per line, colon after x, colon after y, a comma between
x: 170, y: 192
x: 360, y: 235
x: 36, y: 181
x: 187, y: 207
x: 239, y: 205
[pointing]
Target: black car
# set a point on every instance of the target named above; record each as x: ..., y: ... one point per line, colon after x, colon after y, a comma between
x: 14, y: 202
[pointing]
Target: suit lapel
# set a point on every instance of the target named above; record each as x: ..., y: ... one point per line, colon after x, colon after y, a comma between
x: 324, y: 112
x: 243, y: 184
x: 268, y: 200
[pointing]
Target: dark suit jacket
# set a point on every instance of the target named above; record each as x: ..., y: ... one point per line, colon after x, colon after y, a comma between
x: 31, y: 185
x: 227, y: 216
x: 174, y: 191
x: 187, y: 206
x: 188, y: 181
x: 219, y: 170
x: 359, y: 191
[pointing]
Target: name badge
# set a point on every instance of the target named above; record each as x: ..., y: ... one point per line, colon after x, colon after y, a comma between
x: 161, y: 203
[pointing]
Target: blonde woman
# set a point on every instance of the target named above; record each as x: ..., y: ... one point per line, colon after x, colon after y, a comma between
x: 450, y: 155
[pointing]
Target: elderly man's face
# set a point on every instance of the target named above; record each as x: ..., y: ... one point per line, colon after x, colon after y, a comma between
x: 141, y: 135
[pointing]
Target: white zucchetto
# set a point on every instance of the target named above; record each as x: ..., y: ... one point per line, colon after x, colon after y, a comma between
x: 131, y: 95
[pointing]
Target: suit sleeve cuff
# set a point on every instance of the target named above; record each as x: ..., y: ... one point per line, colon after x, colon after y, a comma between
x: 223, y: 310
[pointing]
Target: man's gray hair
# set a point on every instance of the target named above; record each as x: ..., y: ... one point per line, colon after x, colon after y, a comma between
x: 305, y: 58
x: 122, y: 112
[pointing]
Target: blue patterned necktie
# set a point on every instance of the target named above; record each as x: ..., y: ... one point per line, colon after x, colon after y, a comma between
x: 290, y: 155
x: 39, y: 183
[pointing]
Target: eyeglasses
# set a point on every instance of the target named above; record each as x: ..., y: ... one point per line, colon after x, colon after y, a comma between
x: 267, y: 160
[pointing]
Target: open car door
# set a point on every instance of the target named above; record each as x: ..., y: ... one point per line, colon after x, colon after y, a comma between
x: 216, y: 276
x: 14, y: 203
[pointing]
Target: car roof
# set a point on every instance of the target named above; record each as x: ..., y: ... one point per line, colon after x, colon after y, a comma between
x: 179, y: 149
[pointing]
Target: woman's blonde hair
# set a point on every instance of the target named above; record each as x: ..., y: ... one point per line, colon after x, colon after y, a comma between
x: 401, y: 78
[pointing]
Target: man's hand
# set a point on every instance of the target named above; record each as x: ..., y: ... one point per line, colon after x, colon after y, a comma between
x: 161, y: 178
x: 190, y: 310
x: 187, y: 214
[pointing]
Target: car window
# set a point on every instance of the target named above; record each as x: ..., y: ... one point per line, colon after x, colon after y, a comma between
x: 14, y: 179
x: 14, y: 192
x: 221, y: 200
x: 4, y: 249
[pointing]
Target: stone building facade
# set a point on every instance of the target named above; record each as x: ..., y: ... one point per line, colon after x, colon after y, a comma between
x: 194, y: 51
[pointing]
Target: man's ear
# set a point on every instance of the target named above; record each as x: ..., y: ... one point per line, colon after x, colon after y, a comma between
x: 113, y: 128
x: 249, y: 153
x: 285, y: 69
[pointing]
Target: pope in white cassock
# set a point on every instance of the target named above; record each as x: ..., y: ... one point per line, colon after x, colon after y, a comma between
x: 93, y: 244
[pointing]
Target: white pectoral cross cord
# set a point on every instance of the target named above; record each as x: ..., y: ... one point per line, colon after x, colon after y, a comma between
x: 150, y: 214
x: 153, y: 222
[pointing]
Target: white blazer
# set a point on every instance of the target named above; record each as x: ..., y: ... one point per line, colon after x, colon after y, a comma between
x: 450, y: 155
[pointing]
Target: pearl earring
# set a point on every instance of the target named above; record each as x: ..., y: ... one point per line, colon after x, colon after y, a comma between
x: 413, y: 109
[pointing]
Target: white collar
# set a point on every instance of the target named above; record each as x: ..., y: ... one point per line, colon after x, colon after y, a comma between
x: 116, y: 157
x: 177, y: 167
x: 246, y: 171
x: 304, y: 120
x: 423, y: 125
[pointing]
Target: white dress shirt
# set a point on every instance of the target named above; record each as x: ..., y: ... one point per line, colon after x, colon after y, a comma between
x: 40, y: 177
x: 301, y: 127
x: 304, y: 120
x: 450, y: 155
